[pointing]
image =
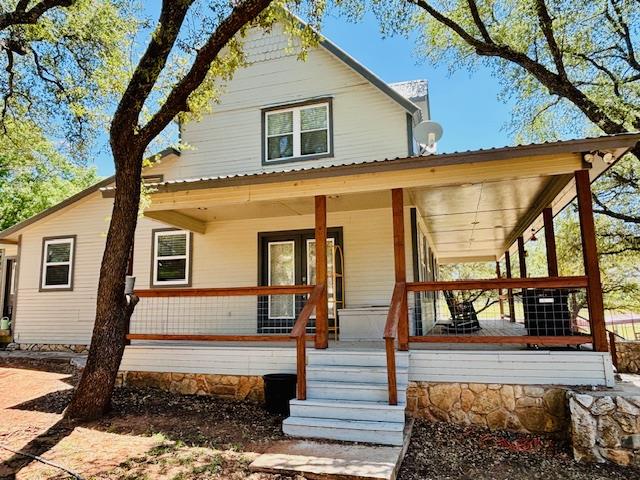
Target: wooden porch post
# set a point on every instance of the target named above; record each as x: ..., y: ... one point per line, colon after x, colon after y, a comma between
x: 591, y: 264
x: 322, y: 308
x: 397, y: 205
x: 550, y: 242
x: 521, y: 258
x: 512, y: 307
x: 498, y: 275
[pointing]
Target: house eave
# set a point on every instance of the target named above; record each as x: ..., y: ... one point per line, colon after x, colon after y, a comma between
x: 621, y: 143
x: 4, y: 234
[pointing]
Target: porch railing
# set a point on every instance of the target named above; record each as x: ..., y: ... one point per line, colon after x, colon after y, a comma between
x: 218, y: 314
x: 546, y: 313
x: 469, y: 311
x: 396, y: 309
x: 299, y: 334
x: 239, y: 314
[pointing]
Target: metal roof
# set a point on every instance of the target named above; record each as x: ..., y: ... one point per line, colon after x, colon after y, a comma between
x: 625, y: 140
x: 411, y: 89
x: 80, y: 195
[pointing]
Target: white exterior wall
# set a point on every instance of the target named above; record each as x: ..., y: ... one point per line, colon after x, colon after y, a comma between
x: 367, y: 124
x: 437, y: 366
x: 226, y: 256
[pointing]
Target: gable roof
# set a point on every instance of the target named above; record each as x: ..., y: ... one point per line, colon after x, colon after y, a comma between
x: 78, y: 196
x: 371, y: 77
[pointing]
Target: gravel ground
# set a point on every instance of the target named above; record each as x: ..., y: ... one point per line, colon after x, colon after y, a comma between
x: 446, y: 451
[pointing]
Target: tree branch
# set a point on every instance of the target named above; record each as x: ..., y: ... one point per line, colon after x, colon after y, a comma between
x: 22, y: 16
x: 556, y: 84
x: 176, y: 102
x: 124, y: 125
x: 622, y: 29
x: 604, y: 210
x: 547, y: 29
x: 473, y: 7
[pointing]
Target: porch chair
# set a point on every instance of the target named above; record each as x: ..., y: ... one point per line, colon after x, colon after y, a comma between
x: 464, y: 318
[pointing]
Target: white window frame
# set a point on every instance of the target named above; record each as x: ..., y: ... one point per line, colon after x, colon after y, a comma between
x: 55, y: 241
x: 297, y: 132
x: 186, y: 257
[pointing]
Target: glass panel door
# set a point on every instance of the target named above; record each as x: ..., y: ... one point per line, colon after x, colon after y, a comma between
x: 282, y: 271
x: 331, y: 266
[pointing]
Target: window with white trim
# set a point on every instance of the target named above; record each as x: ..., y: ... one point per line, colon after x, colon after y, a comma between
x: 57, y: 263
x: 171, y: 263
x: 297, y: 132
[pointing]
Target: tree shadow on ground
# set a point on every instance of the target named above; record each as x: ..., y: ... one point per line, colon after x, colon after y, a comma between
x: 54, y: 402
x: 194, y: 420
x: 37, y: 447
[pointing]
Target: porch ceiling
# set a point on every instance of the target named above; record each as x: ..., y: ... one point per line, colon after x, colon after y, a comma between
x: 210, y: 211
x: 478, y: 221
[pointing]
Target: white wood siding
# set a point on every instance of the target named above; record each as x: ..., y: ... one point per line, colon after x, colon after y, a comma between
x: 367, y: 124
x: 517, y: 367
x: 505, y: 367
x: 226, y: 256
x: 222, y: 360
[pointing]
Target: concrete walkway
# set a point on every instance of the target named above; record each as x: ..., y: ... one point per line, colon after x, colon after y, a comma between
x: 78, y: 360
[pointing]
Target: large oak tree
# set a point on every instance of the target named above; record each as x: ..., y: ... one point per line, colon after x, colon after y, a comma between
x: 158, y: 91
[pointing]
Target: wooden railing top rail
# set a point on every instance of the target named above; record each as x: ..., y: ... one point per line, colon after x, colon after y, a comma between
x: 225, y: 291
x: 497, y: 283
x: 395, y: 310
x: 299, y: 333
x: 300, y: 327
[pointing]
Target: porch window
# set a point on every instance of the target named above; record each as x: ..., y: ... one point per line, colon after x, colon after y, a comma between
x: 57, y: 263
x: 301, y: 131
x: 171, y: 257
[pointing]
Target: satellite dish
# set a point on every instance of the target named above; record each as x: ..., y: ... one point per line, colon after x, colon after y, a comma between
x: 427, y: 133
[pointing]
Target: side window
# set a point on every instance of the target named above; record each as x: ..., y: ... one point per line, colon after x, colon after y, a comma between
x: 171, y: 257
x: 297, y: 132
x: 57, y: 263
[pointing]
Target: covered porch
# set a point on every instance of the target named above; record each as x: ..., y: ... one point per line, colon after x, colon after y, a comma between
x: 368, y: 240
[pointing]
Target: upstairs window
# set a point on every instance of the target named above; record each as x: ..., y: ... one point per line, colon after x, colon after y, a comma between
x: 57, y: 263
x: 297, y: 132
x: 171, y: 257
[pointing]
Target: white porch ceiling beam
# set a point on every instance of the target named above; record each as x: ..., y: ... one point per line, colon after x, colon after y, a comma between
x: 177, y: 219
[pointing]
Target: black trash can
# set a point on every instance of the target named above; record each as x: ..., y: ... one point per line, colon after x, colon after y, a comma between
x: 279, y: 388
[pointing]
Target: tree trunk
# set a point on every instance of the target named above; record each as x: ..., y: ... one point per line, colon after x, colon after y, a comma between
x: 92, y: 397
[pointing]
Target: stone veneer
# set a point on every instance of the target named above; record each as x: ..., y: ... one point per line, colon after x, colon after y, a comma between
x: 605, y: 426
x: 628, y: 353
x: 524, y: 408
x: 49, y: 347
x: 230, y: 387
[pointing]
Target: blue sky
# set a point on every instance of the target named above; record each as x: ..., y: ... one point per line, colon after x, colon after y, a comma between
x: 464, y: 103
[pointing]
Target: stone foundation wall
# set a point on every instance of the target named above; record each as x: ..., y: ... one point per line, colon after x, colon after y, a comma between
x: 605, y: 426
x: 230, y: 387
x: 532, y: 409
x: 49, y: 347
x: 628, y: 353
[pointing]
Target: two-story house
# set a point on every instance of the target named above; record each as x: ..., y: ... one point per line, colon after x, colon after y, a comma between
x: 228, y: 269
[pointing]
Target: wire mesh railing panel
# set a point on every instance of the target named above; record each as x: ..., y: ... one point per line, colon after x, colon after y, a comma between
x: 552, y: 312
x: 218, y: 315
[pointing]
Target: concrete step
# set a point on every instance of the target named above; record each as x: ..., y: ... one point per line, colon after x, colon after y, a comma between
x: 384, y: 433
x: 363, y: 358
x: 347, y: 410
x: 354, y: 373
x: 369, y: 392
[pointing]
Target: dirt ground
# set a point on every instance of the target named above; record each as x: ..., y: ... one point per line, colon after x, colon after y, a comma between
x: 156, y: 435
